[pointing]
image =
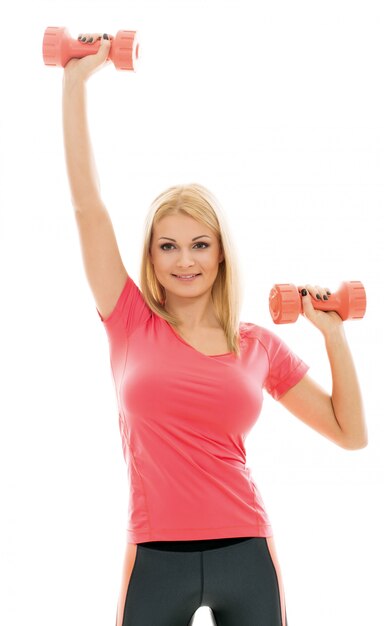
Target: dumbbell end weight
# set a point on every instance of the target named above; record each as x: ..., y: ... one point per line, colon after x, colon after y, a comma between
x: 284, y: 303
x: 59, y: 48
x: 53, y: 45
x: 125, y: 50
x: 354, y: 300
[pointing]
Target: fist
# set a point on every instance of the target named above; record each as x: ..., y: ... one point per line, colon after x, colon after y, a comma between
x: 325, y: 321
x: 87, y: 65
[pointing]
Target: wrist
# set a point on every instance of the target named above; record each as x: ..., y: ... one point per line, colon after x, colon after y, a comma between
x: 72, y: 79
x: 336, y: 334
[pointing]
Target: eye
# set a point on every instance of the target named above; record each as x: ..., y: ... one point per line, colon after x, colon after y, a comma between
x: 196, y: 244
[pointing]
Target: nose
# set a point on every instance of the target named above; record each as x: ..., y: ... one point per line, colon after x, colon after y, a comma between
x: 185, y: 259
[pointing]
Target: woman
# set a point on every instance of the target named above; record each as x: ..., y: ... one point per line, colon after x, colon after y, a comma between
x: 189, y: 378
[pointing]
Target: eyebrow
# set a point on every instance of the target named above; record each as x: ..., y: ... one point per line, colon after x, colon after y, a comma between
x: 194, y: 239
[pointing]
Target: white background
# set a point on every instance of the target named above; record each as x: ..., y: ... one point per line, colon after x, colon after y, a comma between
x: 277, y: 108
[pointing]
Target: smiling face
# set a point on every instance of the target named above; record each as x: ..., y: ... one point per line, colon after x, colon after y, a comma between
x: 183, y: 246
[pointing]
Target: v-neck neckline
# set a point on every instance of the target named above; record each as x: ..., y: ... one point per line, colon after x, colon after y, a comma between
x: 209, y: 356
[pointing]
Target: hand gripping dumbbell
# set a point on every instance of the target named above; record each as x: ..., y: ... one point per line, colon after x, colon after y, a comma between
x: 59, y: 48
x: 285, y: 302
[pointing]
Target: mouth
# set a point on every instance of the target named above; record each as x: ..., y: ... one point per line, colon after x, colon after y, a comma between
x: 186, y: 277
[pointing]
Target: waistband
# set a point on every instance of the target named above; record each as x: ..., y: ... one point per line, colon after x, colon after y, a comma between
x: 193, y: 545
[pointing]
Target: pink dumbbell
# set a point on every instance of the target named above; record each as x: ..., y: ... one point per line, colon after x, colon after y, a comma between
x: 285, y: 303
x: 59, y: 48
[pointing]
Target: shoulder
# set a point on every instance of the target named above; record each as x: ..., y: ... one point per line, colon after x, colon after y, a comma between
x: 253, y: 330
x: 254, y: 333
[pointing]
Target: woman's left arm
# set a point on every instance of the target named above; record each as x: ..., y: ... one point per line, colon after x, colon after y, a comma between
x: 340, y: 417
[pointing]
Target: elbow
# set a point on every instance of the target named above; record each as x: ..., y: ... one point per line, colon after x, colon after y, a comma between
x: 354, y: 444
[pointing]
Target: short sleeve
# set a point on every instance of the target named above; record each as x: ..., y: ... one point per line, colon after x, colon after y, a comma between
x: 130, y: 310
x: 285, y: 367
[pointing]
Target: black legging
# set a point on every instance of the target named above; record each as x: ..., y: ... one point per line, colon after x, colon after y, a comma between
x: 235, y: 577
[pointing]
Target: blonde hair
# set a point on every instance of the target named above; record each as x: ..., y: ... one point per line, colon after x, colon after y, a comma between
x: 198, y: 202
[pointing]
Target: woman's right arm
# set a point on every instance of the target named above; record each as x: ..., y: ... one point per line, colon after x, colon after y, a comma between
x: 103, y: 265
x: 81, y: 167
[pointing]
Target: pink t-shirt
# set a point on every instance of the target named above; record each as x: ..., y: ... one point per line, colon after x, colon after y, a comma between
x: 184, y: 417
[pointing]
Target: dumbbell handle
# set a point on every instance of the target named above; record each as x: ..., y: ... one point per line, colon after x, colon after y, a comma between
x: 285, y: 302
x: 59, y: 48
x: 338, y: 301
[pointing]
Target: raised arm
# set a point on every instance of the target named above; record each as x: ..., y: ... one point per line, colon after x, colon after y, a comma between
x: 104, y: 268
x: 81, y: 167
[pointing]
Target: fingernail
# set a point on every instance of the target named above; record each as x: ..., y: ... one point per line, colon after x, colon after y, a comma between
x: 105, y: 36
x: 325, y: 297
x: 304, y: 292
x: 84, y: 39
x: 328, y: 292
x: 90, y: 40
x: 318, y: 296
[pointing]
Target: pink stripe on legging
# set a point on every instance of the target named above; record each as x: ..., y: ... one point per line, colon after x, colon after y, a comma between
x: 275, y: 561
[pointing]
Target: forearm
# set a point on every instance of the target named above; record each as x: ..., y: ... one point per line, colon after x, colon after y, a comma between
x: 81, y: 167
x: 346, y: 395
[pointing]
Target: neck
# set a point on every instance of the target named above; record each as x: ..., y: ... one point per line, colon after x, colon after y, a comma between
x: 194, y: 316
